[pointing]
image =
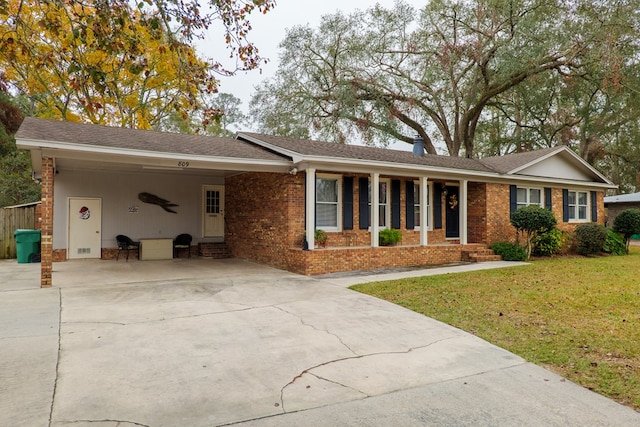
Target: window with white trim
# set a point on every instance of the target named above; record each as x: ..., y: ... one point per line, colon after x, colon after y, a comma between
x: 529, y: 196
x: 328, y: 199
x: 416, y: 205
x: 384, y: 211
x: 578, y: 206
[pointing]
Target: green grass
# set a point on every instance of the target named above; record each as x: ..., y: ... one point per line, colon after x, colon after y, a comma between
x: 579, y: 317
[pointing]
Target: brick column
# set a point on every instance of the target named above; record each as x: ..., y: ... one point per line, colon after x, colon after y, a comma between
x: 46, y: 248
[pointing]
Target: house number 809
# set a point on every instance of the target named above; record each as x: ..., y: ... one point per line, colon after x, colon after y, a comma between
x: 183, y: 164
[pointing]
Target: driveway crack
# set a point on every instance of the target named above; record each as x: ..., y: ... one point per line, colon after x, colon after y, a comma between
x: 342, y: 359
x: 55, y: 382
x: 318, y: 329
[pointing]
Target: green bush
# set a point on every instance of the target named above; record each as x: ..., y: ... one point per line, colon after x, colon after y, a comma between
x: 614, y: 244
x: 389, y: 236
x: 509, y: 251
x: 591, y: 238
x: 532, y: 221
x: 549, y: 243
x: 627, y: 223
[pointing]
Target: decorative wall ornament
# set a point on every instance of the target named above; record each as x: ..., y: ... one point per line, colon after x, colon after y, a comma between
x: 152, y: 199
x: 453, y: 201
x: 85, y: 213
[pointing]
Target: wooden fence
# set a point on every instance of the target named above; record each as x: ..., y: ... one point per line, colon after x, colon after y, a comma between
x: 11, y: 219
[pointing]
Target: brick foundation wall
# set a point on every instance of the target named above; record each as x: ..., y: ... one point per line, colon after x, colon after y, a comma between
x: 322, y: 261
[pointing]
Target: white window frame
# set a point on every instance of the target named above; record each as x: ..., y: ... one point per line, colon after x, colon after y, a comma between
x: 416, y: 191
x: 528, y: 201
x: 338, y: 205
x: 387, y: 216
x: 574, y: 208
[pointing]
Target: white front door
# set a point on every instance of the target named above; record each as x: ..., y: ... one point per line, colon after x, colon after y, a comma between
x: 85, y: 228
x: 213, y: 211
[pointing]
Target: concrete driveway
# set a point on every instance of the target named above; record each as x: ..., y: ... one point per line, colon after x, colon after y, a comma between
x: 224, y: 342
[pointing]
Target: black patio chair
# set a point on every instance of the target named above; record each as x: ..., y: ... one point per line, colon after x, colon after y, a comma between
x: 126, y: 244
x: 183, y: 241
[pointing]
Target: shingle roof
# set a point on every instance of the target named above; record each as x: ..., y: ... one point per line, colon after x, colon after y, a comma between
x: 509, y: 162
x: 135, y: 139
x: 358, y: 152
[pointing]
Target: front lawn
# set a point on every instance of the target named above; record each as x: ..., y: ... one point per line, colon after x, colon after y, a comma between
x: 579, y: 317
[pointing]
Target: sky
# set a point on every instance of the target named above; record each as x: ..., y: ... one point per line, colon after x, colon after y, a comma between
x: 270, y: 29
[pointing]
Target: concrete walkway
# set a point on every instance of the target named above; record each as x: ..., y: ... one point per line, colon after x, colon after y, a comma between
x: 208, y: 343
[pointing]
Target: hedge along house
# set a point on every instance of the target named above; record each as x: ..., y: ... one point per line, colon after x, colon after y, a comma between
x: 262, y: 196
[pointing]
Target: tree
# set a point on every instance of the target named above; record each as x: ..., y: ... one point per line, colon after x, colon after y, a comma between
x: 391, y: 74
x: 116, y: 62
x: 16, y: 185
x: 627, y: 223
x: 533, y: 221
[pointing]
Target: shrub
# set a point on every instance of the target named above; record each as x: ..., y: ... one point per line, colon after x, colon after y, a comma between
x: 614, y: 244
x: 591, y: 238
x: 549, y: 243
x: 509, y: 251
x: 627, y: 223
x: 320, y: 236
x: 389, y: 236
x: 532, y: 220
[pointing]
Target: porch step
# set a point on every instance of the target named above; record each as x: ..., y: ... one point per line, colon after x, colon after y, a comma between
x: 480, y: 255
x: 214, y: 250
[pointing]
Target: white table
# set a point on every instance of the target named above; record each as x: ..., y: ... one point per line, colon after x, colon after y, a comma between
x: 151, y: 249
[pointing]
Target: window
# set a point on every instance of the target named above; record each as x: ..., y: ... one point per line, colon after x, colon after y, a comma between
x: 578, y: 205
x: 328, y: 202
x: 416, y: 205
x: 384, y: 210
x: 529, y: 196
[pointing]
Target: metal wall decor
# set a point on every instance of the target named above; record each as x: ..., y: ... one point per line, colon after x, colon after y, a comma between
x: 152, y: 199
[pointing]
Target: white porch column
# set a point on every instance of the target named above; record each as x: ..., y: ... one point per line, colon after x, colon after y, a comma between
x: 310, y: 204
x: 375, y: 209
x: 424, y: 213
x: 463, y: 212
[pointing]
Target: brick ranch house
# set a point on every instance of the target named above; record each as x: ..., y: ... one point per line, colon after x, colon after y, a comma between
x: 260, y: 195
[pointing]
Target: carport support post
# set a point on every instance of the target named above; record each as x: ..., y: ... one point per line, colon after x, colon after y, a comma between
x: 463, y: 211
x: 375, y: 209
x: 310, y: 201
x: 46, y: 239
x: 424, y: 211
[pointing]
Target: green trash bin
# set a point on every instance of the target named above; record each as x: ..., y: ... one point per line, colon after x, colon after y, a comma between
x: 27, y: 245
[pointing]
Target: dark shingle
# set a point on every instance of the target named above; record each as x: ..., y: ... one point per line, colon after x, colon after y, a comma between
x: 358, y: 152
x: 509, y: 162
x: 135, y: 139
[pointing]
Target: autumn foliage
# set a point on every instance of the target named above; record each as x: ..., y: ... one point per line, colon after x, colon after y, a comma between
x: 117, y: 62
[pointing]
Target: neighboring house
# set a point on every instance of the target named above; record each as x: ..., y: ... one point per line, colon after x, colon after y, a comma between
x: 616, y: 204
x: 261, y: 195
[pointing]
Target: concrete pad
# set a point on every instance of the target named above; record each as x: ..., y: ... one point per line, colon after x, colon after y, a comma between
x: 204, y: 343
x: 29, y: 322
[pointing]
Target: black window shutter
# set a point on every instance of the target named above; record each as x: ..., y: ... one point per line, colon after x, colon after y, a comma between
x: 347, y: 203
x: 437, y: 206
x: 410, y: 202
x: 565, y: 205
x: 395, y: 203
x: 513, y: 199
x: 547, y: 198
x: 364, y: 203
x: 594, y: 206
